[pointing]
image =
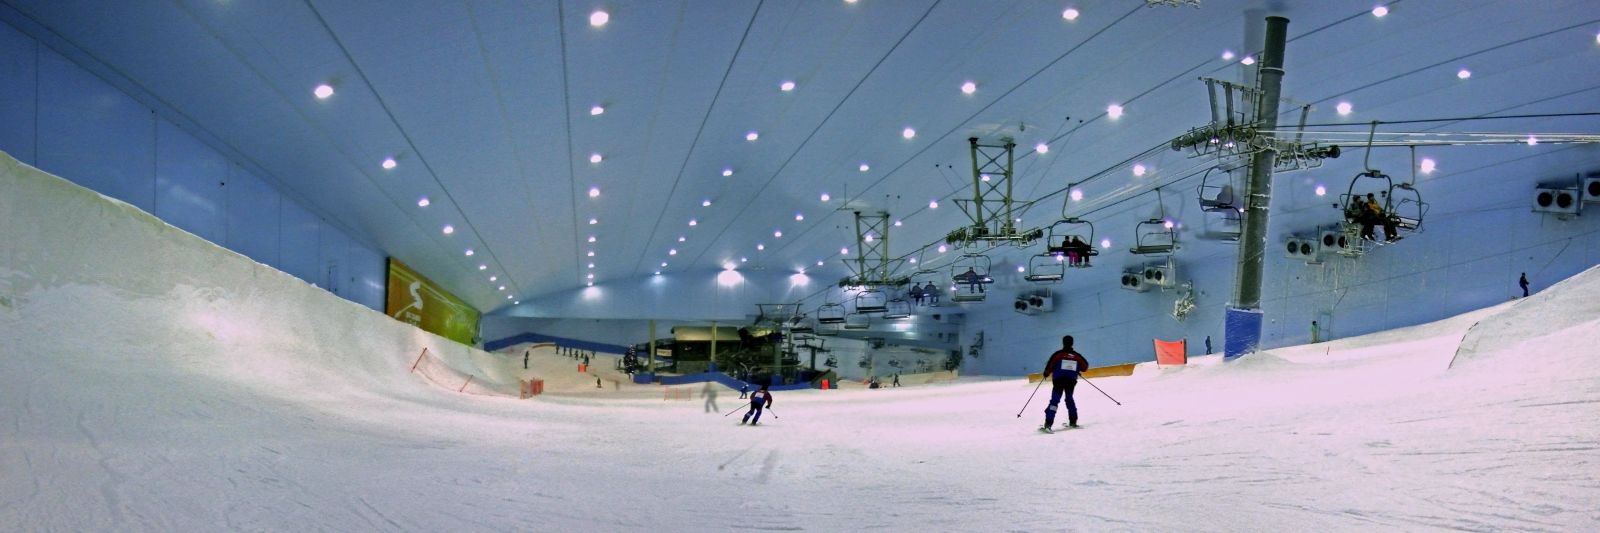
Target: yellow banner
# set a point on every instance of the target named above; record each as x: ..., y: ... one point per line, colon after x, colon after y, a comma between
x: 415, y: 300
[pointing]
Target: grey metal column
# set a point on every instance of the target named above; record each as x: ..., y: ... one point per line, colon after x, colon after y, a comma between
x: 652, y: 346
x: 1253, y: 240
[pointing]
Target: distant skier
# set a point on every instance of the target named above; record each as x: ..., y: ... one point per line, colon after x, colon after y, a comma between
x: 525, y: 354
x: 1316, y: 332
x: 744, y: 390
x: 710, y: 394
x: 1063, y: 369
x: 1208, y: 345
x: 759, y: 400
x: 1523, y: 282
x: 897, y: 379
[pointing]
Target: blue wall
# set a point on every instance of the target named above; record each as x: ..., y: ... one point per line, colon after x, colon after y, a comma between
x: 64, y: 120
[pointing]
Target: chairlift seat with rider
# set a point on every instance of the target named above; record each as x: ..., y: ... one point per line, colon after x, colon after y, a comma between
x: 972, y: 269
x: 1072, y: 243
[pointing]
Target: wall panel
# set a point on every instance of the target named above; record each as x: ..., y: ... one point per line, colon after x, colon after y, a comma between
x: 190, y: 177
x: 93, y: 134
x: 18, y: 82
x: 253, y: 214
x: 300, y: 253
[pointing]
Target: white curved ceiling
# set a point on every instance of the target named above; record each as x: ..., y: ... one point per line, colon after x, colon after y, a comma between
x: 486, y: 108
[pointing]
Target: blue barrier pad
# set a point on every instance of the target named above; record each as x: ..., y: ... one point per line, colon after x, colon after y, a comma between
x: 1241, y: 332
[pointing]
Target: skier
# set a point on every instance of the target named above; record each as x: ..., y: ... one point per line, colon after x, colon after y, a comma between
x: 1208, y: 345
x: 759, y: 400
x: 1523, y: 282
x: 1063, y: 368
x: 525, y: 354
x: 744, y: 390
x: 710, y: 394
x: 897, y: 379
x: 1316, y: 332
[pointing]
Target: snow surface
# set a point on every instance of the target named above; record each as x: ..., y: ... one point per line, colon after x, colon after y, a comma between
x: 150, y: 381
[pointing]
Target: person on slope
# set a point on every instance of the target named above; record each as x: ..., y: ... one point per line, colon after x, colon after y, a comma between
x: 759, y: 400
x: 1063, y: 369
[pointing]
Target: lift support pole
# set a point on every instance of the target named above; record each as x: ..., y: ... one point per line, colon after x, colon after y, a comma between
x: 1243, y: 321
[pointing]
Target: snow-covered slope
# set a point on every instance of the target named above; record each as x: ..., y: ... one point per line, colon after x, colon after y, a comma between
x: 150, y: 381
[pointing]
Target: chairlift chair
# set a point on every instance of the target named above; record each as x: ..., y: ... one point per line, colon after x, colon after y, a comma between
x: 871, y: 301
x: 897, y: 308
x: 1409, y: 210
x: 830, y: 314
x: 1153, y: 237
x: 1046, y: 268
x: 857, y: 321
x: 1218, y: 197
x: 1074, y: 242
x: 971, y: 270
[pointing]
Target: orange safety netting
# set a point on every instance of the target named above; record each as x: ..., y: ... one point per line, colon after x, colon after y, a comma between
x: 1170, y: 352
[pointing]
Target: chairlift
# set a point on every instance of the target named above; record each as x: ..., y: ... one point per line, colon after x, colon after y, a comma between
x: 971, y: 270
x: 1154, y: 236
x: 1215, y: 197
x: 832, y: 362
x: 830, y: 314
x: 857, y: 321
x: 1409, y: 210
x: 871, y: 301
x: 1046, y: 268
x: 897, y: 308
x: 1074, y: 241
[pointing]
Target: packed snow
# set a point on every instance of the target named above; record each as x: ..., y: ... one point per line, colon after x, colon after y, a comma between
x: 150, y: 381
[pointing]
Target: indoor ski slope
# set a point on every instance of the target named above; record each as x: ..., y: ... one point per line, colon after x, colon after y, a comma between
x: 150, y: 381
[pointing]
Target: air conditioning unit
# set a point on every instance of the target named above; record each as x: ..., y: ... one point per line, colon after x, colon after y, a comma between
x: 1302, y: 249
x: 1556, y: 201
x: 1133, y: 280
x: 1336, y: 241
x: 1033, y: 304
x: 1159, y: 275
x: 1591, y: 188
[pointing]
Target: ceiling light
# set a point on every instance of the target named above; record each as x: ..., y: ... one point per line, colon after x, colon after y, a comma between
x: 786, y: 86
x: 752, y: 136
x: 658, y: 272
x: 912, y: 260
x: 323, y: 91
x: 594, y: 221
x: 1428, y: 166
x: 1227, y: 55
x: 908, y: 133
x: 1077, y: 195
x: 819, y: 263
x: 1344, y: 108
x: 594, y: 192
x: 673, y: 251
x: 1041, y: 148
x: 729, y: 265
x: 494, y: 278
x: 663, y: 264
x: 844, y: 251
x: 1105, y: 243
x: 693, y: 222
x: 1248, y: 60
x: 389, y: 164
x: 727, y: 172
x: 483, y: 267
x: 469, y: 252
x: 681, y: 238
x: 799, y: 217
x: 591, y: 265
x: 897, y: 223
x: 864, y: 167
x: 422, y: 202
x: 984, y: 177
x: 1380, y: 11
x: 825, y: 197
x: 744, y: 260
x: 1321, y: 190
x: 933, y: 204
x: 1532, y: 140
x: 589, y: 284
x: 599, y: 18
x: 502, y: 287
x: 508, y: 297
x: 1463, y: 74
x: 1021, y: 269
x: 761, y: 247
x: 1070, y: 14
x: 777, y: 234
x: 597, y: 110
x: 590, y: 253
x: 1139, y: 170
x: 1114, y: 111
x: 867, y: 238
x: 448, y: 229
x: 590, y: 276
x: 705, y: 203
x: 969, y: 88
x: 849, y: 1
x: 595, y: 158
x: 516, y: 302
x: 1167, y: 224
x: 591, y: 238
x: 942, y: 248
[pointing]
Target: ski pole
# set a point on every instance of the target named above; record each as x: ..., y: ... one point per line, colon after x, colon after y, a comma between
x: 774, y: 415
x: 741, y: 408
x: 1097, y: 387
x: 1030, y: 397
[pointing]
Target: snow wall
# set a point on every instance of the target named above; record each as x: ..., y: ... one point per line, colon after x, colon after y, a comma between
x: 75, y: 260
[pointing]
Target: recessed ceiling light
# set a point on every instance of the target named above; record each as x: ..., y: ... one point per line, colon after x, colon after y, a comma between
x: 590, y: 276
x: 1021, y: 268
x: 1070, y: 14
x: 1105, y: 243
x: 1227, y: 55
x: 727, y: 172
x: 1321, y: 190
x: 591, y: 238
x: 448, y: 229
x: 1077, y: 195
x: 673, y: 251
x: 469, y: 252
x: 595, y: 158
x: 1463, y: 74
x: 912, y: 260
x: 933, y: 204
x: 943, y: 248
x: 594, y: 192
x: 423, y: 202
x: 693, y: 222
x: 1532, y: 140
x: 483, y: 267
x: 705, y: 203
x: 1344, y: 108
x: 663, y: 264
x: 1041, y: 148
x: 323, y: 91
x: 751, y: 136
x: 969, y: 88
x: 1139, y: 170
x: 849, y: 1
x: 744, y: 260
x: 1427, y: 166
x: 1380, y: 11
x: 825, y: 197
x: 799, y: 217
x: 1167, y: 223
x: 819, y: 263
x: 844, y: 251
x: 594, y: 221
x: 590, y: 254
x: 864, y: 167
x: 1114, y: 111
x: 867, y: 238
x: 591, y: 265
x: 597, y: 110
x: 777, y: 234
x: 589, y: 284
x: 508, y: 297
x: 599, y: 18
x: 897, y: 223
x: 908, y: 133
x: 502, y: 287
x: 658, y: 272
x: 786, y: 86
x: 760, y: 247
x: 388, y: 163
x: 681, y: 238
x: 1248, y: 60
x: 516, y: 302
x: 494, y: 278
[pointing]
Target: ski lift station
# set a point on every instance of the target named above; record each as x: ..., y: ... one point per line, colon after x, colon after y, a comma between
x: 809, y: 265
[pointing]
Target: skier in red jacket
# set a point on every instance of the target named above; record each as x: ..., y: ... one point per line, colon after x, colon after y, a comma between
x: 1062, y: 369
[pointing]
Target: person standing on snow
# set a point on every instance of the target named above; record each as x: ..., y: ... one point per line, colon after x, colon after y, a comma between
x: 744, y: 390
x: 759, y: 400
x: 1063, y: 369
x: 1523, y: 282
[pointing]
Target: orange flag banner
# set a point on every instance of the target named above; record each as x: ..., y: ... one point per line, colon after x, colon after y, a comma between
x: 1170, y: 352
